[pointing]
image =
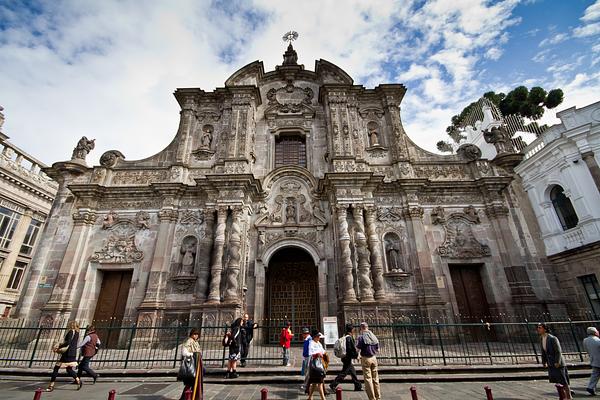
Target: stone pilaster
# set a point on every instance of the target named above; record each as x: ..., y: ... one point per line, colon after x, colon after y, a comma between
x: 216, y: 266
x: 155, y: 292
x: 233, y: 268
x: 592, y: 165
x: 376, y: 255
x: 346, y: 278
x: 364, y: 256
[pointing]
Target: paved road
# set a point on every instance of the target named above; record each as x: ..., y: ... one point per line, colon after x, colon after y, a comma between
x: 167, y: 389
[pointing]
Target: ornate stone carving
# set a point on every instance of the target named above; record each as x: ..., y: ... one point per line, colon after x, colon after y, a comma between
x: 142, y: 219
x: 469, y: 152
x: 119, y: 247
x: 110, y: 158
x: 415, y: 212
x: 122, y: 204
x: 216, y: 265
x: 110, y: 219
x: 438, y: 216
x: 460, y: 241
x: 376, y: 256
x: 144, y: 177
x: 83, y: 148
x: 168, y: 215
x: 389, y: 214
x: 233, y: 269
x: 471, y: 214
x: 84, y: 217
x: 191, y: 217
x: 183, y: 284
x: 290, y: 99
x: 346, y: 278
x: 319, y: 214
x: 188, y: 250
x: 440, y: 172
x: 392, y: 252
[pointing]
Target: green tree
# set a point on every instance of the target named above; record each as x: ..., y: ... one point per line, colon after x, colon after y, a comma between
x: 520, y: 101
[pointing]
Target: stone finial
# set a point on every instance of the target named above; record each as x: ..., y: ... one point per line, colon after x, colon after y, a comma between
x: 469, y: 152
x: 84, y: 146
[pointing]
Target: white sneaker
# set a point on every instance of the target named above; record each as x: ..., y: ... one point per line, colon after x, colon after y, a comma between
x: 289, y: 365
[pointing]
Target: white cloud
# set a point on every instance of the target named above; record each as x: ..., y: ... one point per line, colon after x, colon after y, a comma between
x: 414, y: 72
x: 493, y: 53
x: 542, y: 56
x: 592, y: 13
x: 554, y: 39
x: 587, y: 30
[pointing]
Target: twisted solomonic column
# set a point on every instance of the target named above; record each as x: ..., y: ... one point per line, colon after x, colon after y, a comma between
x: 233, y: 269
x: 216, y: 265
x: 346, y: 278
x: 376, y: 256
x: 364, y: 255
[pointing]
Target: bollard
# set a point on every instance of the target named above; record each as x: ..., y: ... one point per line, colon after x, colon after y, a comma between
x: 561, y: 391
x: 38, y: 394
x: 112, y: 395
x: 188, y: 394
x: 413, y: 393
x: 338, y: 393
x: 488, y: 393
x: 263, y: 393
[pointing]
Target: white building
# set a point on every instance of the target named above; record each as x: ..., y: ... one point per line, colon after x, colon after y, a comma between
x: 562, y: 178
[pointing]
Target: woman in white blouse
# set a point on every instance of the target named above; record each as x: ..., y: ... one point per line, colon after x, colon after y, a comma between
x: 315, y: 352
x: 191, y: 347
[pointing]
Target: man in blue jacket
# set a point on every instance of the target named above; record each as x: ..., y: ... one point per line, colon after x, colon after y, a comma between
x: 305, y: 357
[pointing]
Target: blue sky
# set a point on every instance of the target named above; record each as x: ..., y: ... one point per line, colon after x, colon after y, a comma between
x: 107, y: 69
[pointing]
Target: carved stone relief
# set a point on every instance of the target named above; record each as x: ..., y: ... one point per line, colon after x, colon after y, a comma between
x: 460, y: 241
x: 119, y: 247
x: 289, y: 99
x: 389, y: 214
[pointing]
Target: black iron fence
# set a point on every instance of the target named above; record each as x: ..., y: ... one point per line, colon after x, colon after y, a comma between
x: 420, y: 344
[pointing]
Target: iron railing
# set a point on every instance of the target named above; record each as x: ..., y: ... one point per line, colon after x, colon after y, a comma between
x: 418, y: 344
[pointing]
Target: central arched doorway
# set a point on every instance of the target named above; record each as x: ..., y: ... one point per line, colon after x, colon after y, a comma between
x: 292, y: 292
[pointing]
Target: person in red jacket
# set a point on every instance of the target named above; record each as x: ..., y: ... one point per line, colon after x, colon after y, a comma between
x: 89, y: 347
x: 285, y: 340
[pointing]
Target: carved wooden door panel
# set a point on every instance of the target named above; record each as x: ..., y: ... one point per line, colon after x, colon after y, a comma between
x: 110, y: 307
x: 470, y: 296
x: 292, y: 293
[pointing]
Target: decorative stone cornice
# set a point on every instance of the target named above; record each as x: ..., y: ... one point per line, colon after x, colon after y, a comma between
x: 84, y: 217
x: 415, y: 212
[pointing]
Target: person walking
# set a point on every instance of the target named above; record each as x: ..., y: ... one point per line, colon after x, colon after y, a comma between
x: 285, y: 341
x: 191, y: 348
x: 368, y: 345
x: 306, y: 339
x: 347, y: 368
x: 232, y: 340
x: 553, y: 359
x: 591, y: 344
x: 68, y: 356
x: 246, y: 333
x: 89, y: 347
x: 316, y: 355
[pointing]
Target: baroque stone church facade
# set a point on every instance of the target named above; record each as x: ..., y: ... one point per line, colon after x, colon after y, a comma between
x: 289, y: 194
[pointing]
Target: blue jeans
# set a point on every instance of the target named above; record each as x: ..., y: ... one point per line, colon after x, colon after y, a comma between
x: 594, y: 378
x: 286, y: 355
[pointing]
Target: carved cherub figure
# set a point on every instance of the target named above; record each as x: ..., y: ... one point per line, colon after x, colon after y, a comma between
x: 110, y: 219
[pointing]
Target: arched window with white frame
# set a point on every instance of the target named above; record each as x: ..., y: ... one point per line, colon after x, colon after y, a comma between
x: 563, y: 208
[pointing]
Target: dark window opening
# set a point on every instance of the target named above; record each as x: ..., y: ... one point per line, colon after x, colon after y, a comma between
x: 590, y: 285
x: 290, y: 150
x: 563, y: 207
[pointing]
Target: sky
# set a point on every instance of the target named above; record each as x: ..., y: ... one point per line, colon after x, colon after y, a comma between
x: 107, y: 69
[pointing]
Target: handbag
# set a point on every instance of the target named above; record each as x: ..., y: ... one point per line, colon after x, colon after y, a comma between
x: 187, y: 369
x: 316, y: 368
x: 62, y: 350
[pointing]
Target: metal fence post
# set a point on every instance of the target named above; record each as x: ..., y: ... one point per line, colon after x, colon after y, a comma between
x: 35, y: 346
x: 38, y: 394
x: 338, y: 393
x: 176, y: 344
x: 537, y: 359
x: 413, y: 393
x: 223, y: 357
x: 488, y: 393
x: 133, y: 329
x: 576, y: 340
x: 395, y: 344
x: 112, y: 394
x: 264, y: 393
x: 486, y: 328
x: 439, y: 332
x: 561, y: 391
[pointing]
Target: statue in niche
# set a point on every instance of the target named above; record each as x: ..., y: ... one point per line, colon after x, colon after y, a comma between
x: 188, y: 252
x: 392, y: 252
x: 373, y: 133
x: 84, y: 146
x: 206, y: 138
x: 290, y: 211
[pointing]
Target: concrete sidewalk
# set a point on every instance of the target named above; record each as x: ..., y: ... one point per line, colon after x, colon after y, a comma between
x: 168, y: 389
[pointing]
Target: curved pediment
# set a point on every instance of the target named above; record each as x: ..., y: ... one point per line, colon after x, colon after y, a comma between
x: 249, y: 74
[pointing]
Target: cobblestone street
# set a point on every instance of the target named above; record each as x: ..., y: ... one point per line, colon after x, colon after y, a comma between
x: 167, y: 389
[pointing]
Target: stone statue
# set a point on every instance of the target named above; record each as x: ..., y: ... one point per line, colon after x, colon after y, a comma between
x: 373, y: 134
x: 392, y: 251
x: 188, y: 250
x: 206, y: 139
x: 500, y: 138
x: 290, y: 212
x: 143, y: 219
x: 83, y: 148
x: 110, y: 219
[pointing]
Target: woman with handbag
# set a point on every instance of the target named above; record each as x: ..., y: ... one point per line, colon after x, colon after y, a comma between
x: 68, y: 356
x: 191, y: 370
x: 317, y: 368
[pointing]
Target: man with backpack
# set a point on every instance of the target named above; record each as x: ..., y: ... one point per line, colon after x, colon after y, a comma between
x: 368, y: 345
x: 345, y: 348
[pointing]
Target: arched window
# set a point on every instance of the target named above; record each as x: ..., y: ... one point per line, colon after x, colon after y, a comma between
x: 290, y: 150
x: 563, y: 207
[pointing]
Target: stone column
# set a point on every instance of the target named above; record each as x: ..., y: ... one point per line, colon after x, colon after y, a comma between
x: 204, y: 268
x: 346, y: 278
x: 216, y: 266
x: 364, y: 256
x: 73, y: 263
x: 592, y: 165
x: 15, y: 246
x: 376, y: 256
x: 155, y: 292
x: 186, y: 126
x: 233, y: 268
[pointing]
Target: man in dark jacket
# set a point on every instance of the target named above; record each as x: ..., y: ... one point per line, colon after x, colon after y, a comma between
x: 347, y: 367
x: 246, y: 335
x: 368, y: 344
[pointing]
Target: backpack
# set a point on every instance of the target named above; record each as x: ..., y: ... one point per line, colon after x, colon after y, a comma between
x: 283, y: 337
x: 339, y: 348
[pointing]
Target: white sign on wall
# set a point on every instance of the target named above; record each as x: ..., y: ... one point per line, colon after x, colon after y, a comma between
x: 330, y: 330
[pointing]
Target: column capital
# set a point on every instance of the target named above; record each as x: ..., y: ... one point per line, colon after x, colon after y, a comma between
x: 84, y: 217
x: 168, y: 215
